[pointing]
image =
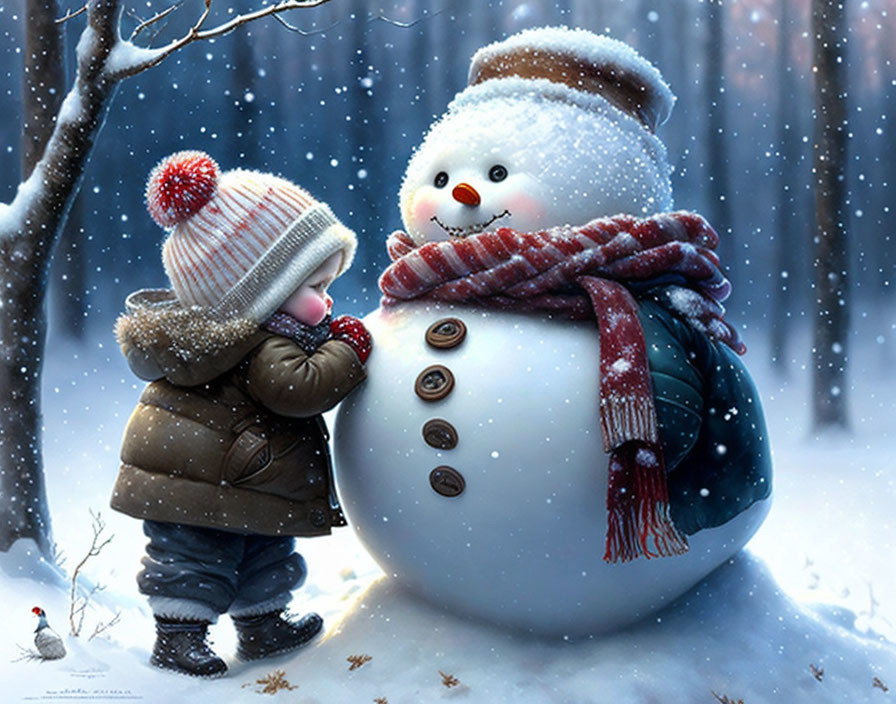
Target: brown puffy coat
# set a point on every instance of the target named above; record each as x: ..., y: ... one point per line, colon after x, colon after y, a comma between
x: 229, y: 434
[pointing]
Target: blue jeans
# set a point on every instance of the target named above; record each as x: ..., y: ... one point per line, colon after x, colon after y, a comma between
x: 198, y: 573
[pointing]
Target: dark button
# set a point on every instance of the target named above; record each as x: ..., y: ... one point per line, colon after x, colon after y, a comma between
x: 447, y: 481
x: 440, y: 434
x: 434, y: 383
x: 317, y: 517
x: 446, y: 333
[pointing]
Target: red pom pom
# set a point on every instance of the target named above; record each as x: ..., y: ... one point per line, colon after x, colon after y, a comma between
x: 179, y: 186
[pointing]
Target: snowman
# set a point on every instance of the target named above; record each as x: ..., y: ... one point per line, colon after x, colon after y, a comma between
x: 556, y: 434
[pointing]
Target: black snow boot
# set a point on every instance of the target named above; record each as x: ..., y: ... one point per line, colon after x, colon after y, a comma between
x: 181, y: 646
x: 273, y: 633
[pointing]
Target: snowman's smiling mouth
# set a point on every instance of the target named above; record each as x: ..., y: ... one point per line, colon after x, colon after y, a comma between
x: 469, y: 229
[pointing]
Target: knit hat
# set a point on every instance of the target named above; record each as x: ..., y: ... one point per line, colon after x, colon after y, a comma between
x: 586, y: 64
x: 240, y: 242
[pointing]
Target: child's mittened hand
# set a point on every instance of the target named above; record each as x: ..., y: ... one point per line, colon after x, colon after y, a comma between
x: 352, y: 332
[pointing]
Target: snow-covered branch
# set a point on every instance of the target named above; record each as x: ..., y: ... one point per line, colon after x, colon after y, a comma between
x: 128, y: 59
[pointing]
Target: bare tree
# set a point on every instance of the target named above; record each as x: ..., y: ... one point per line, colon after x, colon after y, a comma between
x: 245, y: 113
x: 30, y: 228
x: 830, y: 258
x: 788, y: 226
x: 716, y: 144
x: 44, y: 84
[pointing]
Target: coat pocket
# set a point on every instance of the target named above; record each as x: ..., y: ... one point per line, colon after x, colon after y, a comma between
x: 284, y: 459
x: 249, y: 455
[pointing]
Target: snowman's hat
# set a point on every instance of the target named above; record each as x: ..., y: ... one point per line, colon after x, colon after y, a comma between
x: 586, y: 64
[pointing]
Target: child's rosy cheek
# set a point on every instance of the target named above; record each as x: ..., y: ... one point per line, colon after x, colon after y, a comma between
x: 313, y: 309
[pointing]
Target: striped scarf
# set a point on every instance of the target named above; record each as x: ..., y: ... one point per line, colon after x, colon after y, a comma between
x: 589, y: 272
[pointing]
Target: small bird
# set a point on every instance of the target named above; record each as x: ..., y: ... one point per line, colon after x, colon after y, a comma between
x: 47, y: 641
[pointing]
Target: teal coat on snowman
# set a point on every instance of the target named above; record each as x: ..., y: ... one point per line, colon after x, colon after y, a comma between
x: 580, y: 358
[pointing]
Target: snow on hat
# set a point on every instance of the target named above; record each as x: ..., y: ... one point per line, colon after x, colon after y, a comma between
x: 587, y: 64
x: 240, y: 242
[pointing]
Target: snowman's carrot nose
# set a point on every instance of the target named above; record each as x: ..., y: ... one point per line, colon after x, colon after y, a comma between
x: 466, y: 194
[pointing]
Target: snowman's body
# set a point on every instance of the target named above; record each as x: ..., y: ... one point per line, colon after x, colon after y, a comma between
x: 488, y: 495
x: 523, y: 543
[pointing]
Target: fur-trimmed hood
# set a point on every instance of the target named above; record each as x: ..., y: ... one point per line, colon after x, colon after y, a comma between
x: 159, y: 337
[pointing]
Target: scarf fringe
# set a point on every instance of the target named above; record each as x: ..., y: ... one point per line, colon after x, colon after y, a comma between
x: 639, y: 523
x: 626, y: 419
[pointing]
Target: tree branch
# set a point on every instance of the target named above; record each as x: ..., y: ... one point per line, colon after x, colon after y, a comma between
x: 380, y: 17
x: 158, y: 17
x: 304, y: 32
x: 69, y: 15
x: 129, y: 60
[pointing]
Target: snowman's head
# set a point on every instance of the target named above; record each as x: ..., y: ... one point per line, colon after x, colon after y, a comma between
x: 531, y: 153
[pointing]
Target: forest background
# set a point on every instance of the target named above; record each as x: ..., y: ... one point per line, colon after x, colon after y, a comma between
x: 339, y: 105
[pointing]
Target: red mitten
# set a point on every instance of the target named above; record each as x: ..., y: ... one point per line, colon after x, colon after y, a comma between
x: 352, y: 332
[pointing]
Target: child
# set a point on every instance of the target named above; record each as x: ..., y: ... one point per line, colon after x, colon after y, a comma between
x: 225, y: 457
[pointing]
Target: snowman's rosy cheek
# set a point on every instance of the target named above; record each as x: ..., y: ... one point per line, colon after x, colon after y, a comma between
x: 422, y: 207
x: 526, y: 210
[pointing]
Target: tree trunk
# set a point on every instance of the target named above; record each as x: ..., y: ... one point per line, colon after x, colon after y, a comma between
x: 831, y: 256
x: 43, y: 86
x: 245, y: 112
x: 787, y: 226
x: 22, y: 326
x: 25, y: 253
x: 716, y: 143
x: 362, y: 151
x: 68, y: 275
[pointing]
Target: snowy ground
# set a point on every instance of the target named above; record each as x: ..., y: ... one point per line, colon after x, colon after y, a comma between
x: 816, y: 586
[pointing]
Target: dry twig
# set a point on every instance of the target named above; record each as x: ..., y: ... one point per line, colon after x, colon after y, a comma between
x: 817, y: 672
x: 32, y: 654
x: 357, y: 661
x: 880, y: 685
x: 449, y: 680
x: 78, y: 602
x: 725, y: 700
x: 105, y: 626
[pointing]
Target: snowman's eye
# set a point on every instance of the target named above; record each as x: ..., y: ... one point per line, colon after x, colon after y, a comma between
x: 441, y: 180
x: 497, y: 173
